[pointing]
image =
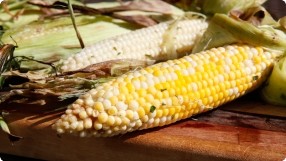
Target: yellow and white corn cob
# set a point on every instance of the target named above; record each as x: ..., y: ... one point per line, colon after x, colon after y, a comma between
x: 144, y: 44
x: 168, y: 92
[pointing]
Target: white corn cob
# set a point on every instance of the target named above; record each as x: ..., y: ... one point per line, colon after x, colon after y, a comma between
x: 149, y: 43
x: 168, y: 92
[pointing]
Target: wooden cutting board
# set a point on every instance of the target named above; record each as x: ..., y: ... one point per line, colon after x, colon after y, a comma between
x: 217, y: 135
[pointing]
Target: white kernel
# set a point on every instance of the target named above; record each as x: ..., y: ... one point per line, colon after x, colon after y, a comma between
x: 163, y: 119
x: 248, y: 63
x: 108, y: 94
x: 122, y: 113
x: 83, y: 115
x: 263, y: 66
x: 87, y: 123
x: 230, y: 92
x: 73, y: 125
x: 97, y: 126
x: 106, y: 103
x: 194, y: 87
x: 145, y: 118
x: 150, y: 121
x: 220, y: 78
x: 60, y: 130
x: 121, y: 105
x: 133, y: 105
x: 144, y: 85
x: 123, y: 128
x: 132, y: 124
x: 247, y: 71
x: 136, y: 84
x: 150, y: 82
x: 116, y: 91
x: 191, y: 70
x: 138, y: 123
x: 79, y: 101
x: 228, y: 61
x: 135, y: 116
x: 226, y: 69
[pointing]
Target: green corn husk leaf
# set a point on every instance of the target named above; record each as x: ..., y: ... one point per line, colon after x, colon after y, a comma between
x: 52, y: 40
x: 225, y: 30
x: 274, y: 91
x: 5, y: 128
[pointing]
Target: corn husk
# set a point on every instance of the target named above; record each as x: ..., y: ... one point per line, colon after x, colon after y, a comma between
x: 274, y: 91
x: 225, y: 30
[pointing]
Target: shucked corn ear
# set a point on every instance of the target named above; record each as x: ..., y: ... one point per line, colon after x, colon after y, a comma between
x: 152, y: 43
x: 168, y: 92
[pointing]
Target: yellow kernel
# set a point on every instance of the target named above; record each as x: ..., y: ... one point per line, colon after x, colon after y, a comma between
x: 149, y: 70
x: 130, y: 87
x: 111, y: 120
x: 183, y: 90
x: 141, y: 112
x: 121, y: 97
x: 158, y: 95
x: 202, y: 93
x: 98, y: 106
x: 205, y: 101
x: 152, y: 90
x: 125, y: 121
x: 147, y: 107
x: 102, y: 117
x: 220, y: 95
x: 175, y: 101
x: 118, y: 121
x: 165, y: 94
x: 172, y: 92
x: 165, y: 112
x: 123, y: 90
x: 159, y: 113
x: 129, y: 97
x: 178, y: 109
x: 142, y: 92
x: 172, y: 111
x: 113, y: 100
x: 157, y: 72
x: 149, y: 98
x: 157, y: 103
x: 112, y: 111
x: 141, y: 101
x: 142, y: 78
x: 129, y: 114
x: 175, y: 116
x: 159, y: 86
x: 166, y: 85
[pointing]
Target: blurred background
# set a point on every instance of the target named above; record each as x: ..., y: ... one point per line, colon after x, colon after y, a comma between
x: 277, y: 8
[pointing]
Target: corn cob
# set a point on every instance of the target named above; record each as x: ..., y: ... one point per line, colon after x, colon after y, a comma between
x: 168, y: 92
x: 144, y: 44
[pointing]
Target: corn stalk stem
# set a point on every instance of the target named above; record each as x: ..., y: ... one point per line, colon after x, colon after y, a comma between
x: 74, y: 24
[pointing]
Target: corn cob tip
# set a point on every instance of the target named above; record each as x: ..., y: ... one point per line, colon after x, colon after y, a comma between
x: 167, y: 92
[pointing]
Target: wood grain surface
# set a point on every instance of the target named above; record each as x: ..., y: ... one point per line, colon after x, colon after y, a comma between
x: 217, y: 135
